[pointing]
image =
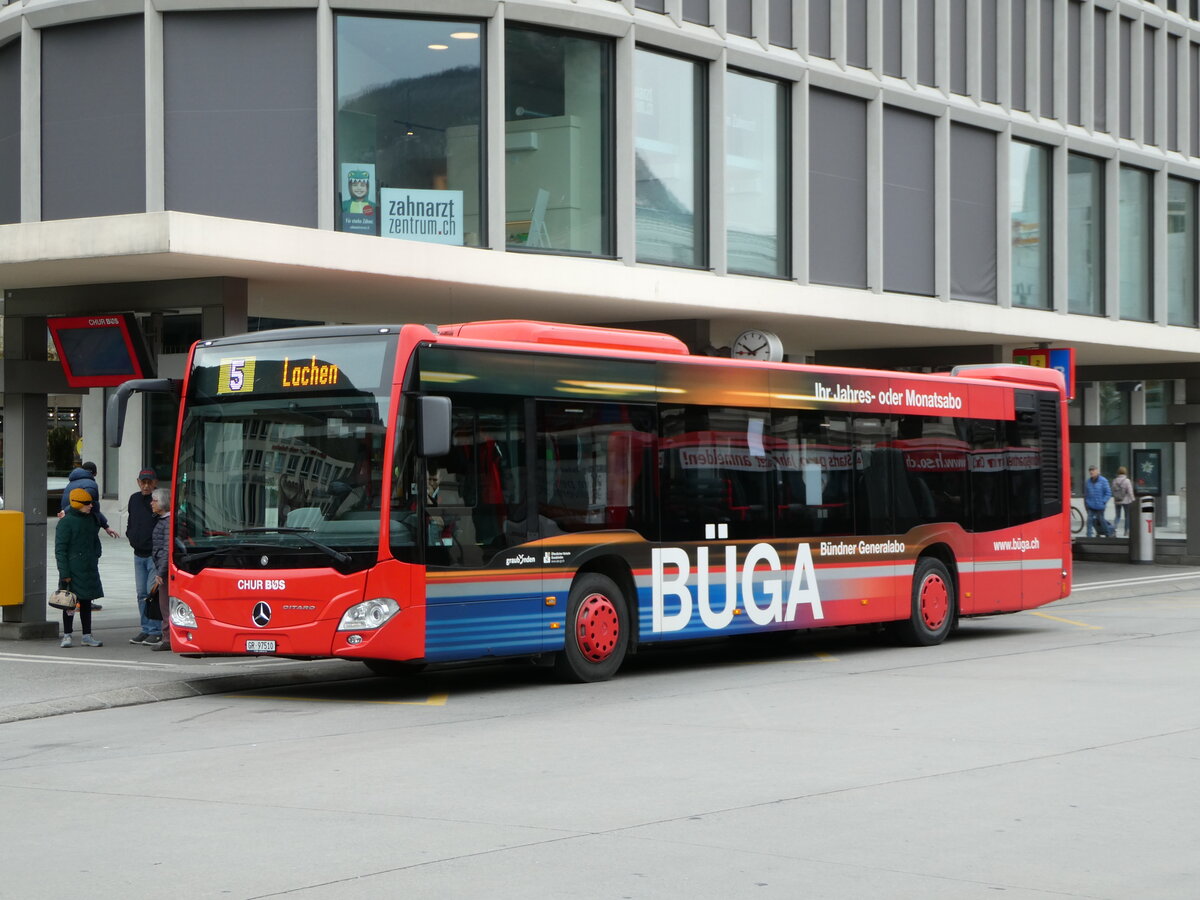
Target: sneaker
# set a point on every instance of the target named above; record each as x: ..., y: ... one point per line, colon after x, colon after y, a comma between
x: 152, y: 640
x: 96, y: 607
x: 139, y: 638
x: 162, y: 645
x: 88, y: 641
x: 66, y: 641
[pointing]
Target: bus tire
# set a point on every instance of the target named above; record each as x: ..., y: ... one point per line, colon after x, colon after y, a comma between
x: 597, y: 630
x: 933, y: 605
x: 393, y: 668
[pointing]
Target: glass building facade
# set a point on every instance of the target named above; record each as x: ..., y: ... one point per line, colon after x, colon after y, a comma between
x: 1036, y: 157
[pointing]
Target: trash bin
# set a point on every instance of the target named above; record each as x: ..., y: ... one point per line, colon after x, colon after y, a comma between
x: 1141, y: 535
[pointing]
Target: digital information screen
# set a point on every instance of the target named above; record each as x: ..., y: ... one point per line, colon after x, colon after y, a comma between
x: 100, y: 351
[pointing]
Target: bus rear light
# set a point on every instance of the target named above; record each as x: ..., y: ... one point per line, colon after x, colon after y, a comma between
x: 181, y: 614
x: 369, y: 615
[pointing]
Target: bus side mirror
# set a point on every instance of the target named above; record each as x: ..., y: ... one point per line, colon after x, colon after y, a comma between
x: 114, y: 422
x: 433, y: 426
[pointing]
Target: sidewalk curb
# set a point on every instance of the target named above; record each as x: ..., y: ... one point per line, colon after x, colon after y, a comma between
x: 168, y: 690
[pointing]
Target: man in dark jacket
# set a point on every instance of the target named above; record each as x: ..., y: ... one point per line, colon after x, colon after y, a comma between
x: 139, y: 529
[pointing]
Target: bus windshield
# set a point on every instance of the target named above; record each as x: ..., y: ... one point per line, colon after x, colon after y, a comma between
x: 281, y: 454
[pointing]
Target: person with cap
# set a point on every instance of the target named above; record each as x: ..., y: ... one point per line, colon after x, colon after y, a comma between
x: 139, y: 529
x: 77, y: 553
x: 85, y: 477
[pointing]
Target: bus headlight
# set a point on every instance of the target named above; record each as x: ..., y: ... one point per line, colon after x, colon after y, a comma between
x: 181, y: 614
x: 369, y: 614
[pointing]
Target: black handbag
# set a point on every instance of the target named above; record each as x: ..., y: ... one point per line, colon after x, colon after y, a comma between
x: 153, y: 610
x: 64, y: 600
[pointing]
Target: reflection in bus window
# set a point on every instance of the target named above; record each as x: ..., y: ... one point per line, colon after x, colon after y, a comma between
x: 935, y: 469
x: 813, y: 464
x: 473, y: 498
x: 716, y: 469
x: 989, y: 475
x: 596, y: 467
x: 875, y: 466
x: 1023, y: 459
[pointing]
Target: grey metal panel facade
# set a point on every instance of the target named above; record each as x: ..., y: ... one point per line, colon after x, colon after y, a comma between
x: 10, y: 132
x: 780, y: 24
x: 1020, y: 99
x: 908, y: 202
x: 241, y: 114
x: 893, y: 39
x: 989, y: 38
x: 838, y: 189
x: 739, y: 17
x: 819, y: 21
x: 972, y: 214
x: 93, y: 119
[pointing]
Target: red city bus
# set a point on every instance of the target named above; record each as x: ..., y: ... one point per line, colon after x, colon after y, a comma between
x: 400, y: 495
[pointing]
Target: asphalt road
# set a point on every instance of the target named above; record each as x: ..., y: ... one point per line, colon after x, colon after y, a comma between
x: 1044, y: 754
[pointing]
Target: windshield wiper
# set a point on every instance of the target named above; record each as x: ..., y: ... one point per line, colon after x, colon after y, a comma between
x: 186, y: 557
x: 300, y: 533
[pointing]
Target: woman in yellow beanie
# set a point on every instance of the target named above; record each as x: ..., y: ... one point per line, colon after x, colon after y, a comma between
x: 77, y: 552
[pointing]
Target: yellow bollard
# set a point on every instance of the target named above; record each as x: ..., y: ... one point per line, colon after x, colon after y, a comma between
x: 12, y: 557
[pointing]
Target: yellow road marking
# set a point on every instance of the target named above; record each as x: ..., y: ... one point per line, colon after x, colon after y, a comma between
x: 1068, y: 621
x: 431, y: 700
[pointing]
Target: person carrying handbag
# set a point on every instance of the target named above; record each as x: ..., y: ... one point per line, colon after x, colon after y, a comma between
x: 77, y: 553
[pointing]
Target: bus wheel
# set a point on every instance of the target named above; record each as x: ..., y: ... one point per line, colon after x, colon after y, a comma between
x: 933, y: 601
x: 597, y: 630
x: 392, y: 668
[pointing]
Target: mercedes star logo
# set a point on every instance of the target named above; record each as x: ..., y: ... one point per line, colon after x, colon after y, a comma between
x: 261, y: 614
x: 262, y: 560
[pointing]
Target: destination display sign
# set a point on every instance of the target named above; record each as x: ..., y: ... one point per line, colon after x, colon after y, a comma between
x: 285, y: 367
x: 237, y: 374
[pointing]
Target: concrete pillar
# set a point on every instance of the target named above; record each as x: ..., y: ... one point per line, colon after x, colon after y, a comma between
x: 25, y: 468
x: 229, y: 315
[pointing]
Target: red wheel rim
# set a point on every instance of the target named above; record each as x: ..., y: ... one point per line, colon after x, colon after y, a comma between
x: 597, y: 628
x: 935, y: 602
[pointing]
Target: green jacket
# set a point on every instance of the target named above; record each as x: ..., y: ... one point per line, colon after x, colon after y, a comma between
x: 77, y: 552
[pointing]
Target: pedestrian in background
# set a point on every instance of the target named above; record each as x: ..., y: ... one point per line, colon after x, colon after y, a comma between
x: 1123, y: 498
x: 160, y: 503
x: 77, y: 553
x: 1096, y: 494
x: 139, y: 529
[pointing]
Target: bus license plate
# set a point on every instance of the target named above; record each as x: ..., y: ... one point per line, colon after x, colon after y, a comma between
x: 260, y: 646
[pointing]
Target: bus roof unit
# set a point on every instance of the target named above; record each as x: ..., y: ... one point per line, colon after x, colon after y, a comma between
x: 592, y: 337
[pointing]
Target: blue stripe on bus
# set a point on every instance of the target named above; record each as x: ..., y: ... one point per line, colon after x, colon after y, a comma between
x: 489, y: 628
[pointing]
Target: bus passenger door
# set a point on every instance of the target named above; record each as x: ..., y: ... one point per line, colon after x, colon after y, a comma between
x: 879, y: 590
x: 595, y: 485
x: 1034, y: 469
x: 481, y: 553
x: 998, y: 534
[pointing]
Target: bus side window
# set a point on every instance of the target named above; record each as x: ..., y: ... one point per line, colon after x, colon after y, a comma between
x: 716, y: 468
x: 989, y: 476
x: 813, y: 473
x: 874, y: 474
x: 592, y: 466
